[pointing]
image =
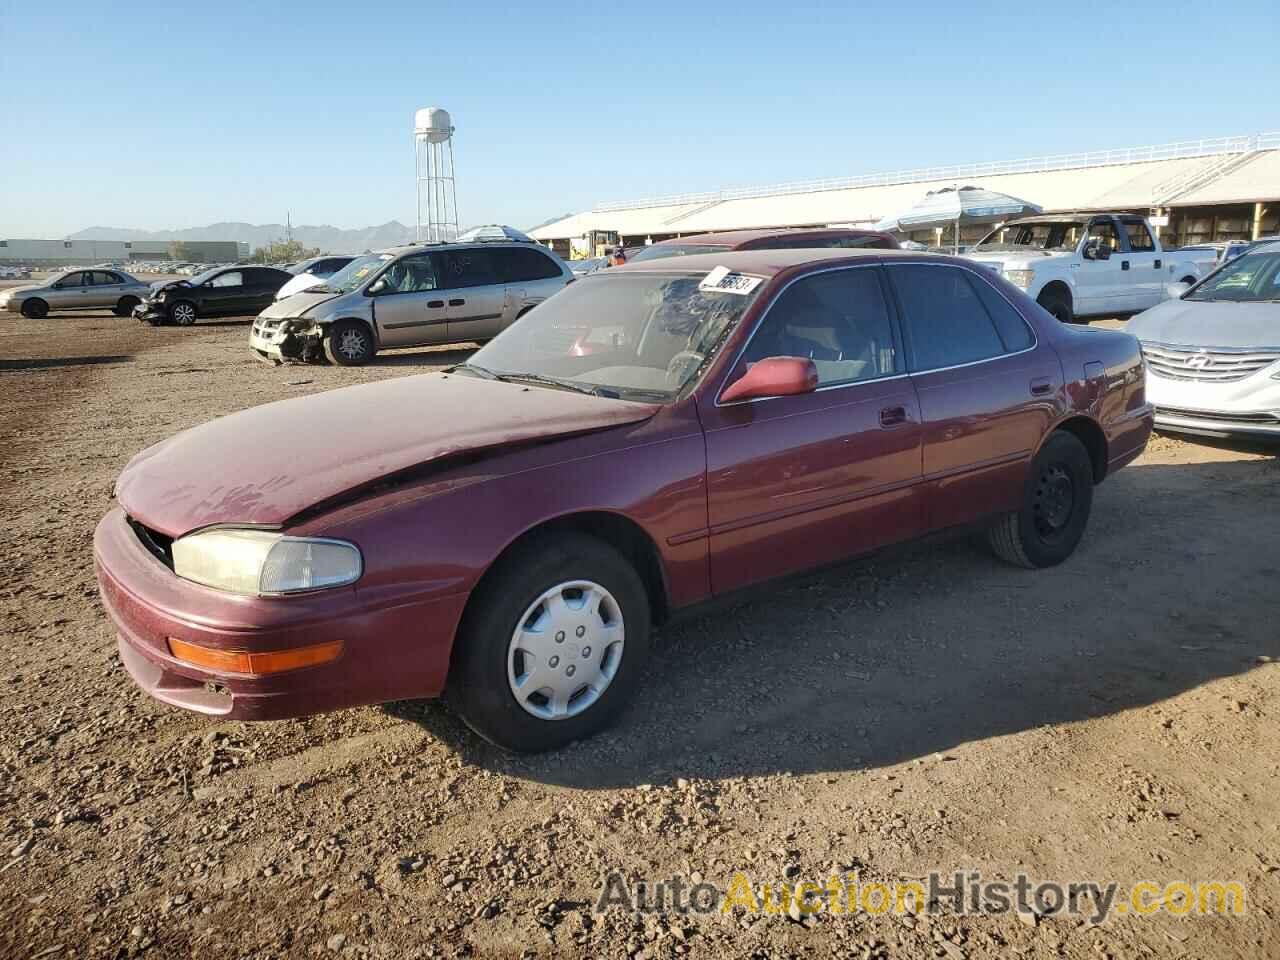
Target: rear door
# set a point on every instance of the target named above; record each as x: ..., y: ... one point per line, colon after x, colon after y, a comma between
x: 797, y: 481
x: 260, y: 288
x: 1145, y: 273
x: 409, y: 305
x: 987, y: 389
x: 108, y: 287
x: 474, y: 295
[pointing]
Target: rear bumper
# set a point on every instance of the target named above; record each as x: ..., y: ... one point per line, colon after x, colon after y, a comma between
x: 391, y: 651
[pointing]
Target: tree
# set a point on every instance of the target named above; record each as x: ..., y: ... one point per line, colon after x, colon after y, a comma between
x: 283, y: 251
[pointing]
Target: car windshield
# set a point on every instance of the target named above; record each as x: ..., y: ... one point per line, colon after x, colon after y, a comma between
x: 354, y: 274
x: 1251, y: 278
x: 660, y: 251
x: 1043, y: 235
x: 638, y: 336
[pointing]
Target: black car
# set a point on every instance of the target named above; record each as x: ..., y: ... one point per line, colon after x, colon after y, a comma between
x: 221, y: 292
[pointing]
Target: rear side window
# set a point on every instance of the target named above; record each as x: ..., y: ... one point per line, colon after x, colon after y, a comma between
x: 944, y: 321
x: 466, y: 268
x: 516, y: 264
x: 1013, y: 330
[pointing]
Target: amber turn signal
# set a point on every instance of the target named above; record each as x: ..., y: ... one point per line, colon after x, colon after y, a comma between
x: 242, y: 661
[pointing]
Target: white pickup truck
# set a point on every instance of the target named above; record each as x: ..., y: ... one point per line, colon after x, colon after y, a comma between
x: 1086, y: 264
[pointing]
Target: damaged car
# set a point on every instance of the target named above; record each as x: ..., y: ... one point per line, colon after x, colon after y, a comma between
x: 220, y: 292
x: 413, y: 296
x: 506, y: 532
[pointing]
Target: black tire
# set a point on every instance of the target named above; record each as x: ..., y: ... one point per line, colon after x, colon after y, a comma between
x: 35, y: 309
x: 183, y: 313
x: 479, y: 688
x: 349, y: 344
x: 1058, y: 304
x: 125, y: 307
x: 1055, y: 508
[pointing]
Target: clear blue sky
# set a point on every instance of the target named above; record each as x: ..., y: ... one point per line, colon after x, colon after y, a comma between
x: 146, y: 115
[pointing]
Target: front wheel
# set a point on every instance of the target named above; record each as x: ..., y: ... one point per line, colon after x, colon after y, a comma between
x: 183, y: 313
x: 1056, y: 501
x: 35, y: 308
x: 552, y: 645
x: 349, y: 344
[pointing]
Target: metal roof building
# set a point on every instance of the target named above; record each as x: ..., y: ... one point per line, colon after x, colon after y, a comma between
x: 1211, y: 189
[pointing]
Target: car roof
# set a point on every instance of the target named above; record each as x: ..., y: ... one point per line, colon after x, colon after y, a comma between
x: 735, y: 237
x: 1070, y: 215
x: 768, y: 263
x: 403, y: 248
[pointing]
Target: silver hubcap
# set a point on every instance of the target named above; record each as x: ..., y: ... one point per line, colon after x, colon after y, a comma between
x: 351, y: 343
x: 566, y: 650
x: 184, y: 314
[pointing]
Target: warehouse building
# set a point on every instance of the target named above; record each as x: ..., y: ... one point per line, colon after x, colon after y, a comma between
x: 1222, y: 189
x: 61, y: 253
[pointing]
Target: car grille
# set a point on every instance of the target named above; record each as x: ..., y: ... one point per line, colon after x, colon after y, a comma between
x: 1213, y: 364
x: 157, y: 544
x: 1262, y: 418
x: 262, y: 327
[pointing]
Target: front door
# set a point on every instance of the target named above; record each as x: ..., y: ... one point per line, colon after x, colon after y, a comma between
x: 72, y: 292
x: 1101, y: 285
x: 474, y: 293
x: 798, y: 481
x: 409, y: 306
x: 225, y: 295
x: 987, y: 389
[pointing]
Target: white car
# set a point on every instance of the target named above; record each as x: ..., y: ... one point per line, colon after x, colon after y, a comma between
x: 1213, y: 353
x: 1087, y: 264
x: 311, y: 273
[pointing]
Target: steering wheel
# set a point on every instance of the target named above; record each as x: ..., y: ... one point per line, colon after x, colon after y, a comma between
x: 682, y: 366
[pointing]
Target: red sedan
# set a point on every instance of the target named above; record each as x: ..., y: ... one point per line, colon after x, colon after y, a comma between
x: 507, y: 532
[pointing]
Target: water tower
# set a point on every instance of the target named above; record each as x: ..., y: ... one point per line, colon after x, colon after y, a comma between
x: 433, y: 156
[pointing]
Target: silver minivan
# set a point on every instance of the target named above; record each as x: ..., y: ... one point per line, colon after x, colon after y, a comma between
x: 412, y: 296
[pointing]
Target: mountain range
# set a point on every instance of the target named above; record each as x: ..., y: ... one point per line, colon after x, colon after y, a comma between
x: 326, y: 238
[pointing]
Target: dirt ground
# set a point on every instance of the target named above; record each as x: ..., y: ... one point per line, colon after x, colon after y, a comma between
x: 923, y: 709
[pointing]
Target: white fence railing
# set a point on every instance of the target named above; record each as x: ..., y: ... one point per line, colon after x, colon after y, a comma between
x: 1065, y: 161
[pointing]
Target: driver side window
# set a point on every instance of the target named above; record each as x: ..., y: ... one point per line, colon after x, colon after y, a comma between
x: 409, y: 275
x: 232, y: 279
x: 837, y: 319
x: 1104, y: 231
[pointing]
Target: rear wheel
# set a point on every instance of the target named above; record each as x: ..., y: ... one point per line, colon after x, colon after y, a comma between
x: 1056, y: 502
x: 125, y: 307
x: 349, y: 344
x: 552, y: 646
x: 1058, y: 304
x: 183, y: 313
x: 35, y: 308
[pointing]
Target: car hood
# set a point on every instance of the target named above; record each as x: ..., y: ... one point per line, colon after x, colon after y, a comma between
x: 296, y: 305
x: 1014, y: 260
x: 21, y: 291
x: 266, y: 464
x: 1203, y: 324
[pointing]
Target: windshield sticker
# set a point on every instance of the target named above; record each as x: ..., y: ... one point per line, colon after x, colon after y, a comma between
x: 723, y: 280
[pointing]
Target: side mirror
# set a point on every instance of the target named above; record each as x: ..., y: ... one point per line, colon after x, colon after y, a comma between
x: 377, y: 287
x: 774, y: 377
x: 1096, y: 250
x: 1174, y: 291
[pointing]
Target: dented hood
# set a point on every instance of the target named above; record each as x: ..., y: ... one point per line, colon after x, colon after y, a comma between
x: 266, y: 464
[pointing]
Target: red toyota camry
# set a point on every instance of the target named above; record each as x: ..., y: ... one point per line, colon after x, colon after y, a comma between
x: 507, y: 532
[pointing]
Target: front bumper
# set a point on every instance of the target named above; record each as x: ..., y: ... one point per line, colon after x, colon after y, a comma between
x: 150, y: 312
x: 1208, y: 423
x: 1246, y: 407
x: 392, y: 649
x: 269, y: 343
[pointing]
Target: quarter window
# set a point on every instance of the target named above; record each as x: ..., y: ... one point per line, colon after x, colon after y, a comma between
x: 837, y: 319
x: 1140, y: 240
x: 944, y: 322
x: 519, y: 264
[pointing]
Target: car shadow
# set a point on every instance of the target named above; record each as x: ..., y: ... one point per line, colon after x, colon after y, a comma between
x: 45, y: 363
x: 922, y: 648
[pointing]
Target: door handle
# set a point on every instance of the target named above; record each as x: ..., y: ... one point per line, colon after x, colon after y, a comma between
x: 1157, y: 264
x: 457, y: 302
x: 1124, y: 264
x: 893, y: 416
x: 435, y: 303
x: 1041, y: 386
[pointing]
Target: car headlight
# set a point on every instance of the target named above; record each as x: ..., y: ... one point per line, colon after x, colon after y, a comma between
x: 294, y: 326
x: 264, y: 563
x: 1020, y: 278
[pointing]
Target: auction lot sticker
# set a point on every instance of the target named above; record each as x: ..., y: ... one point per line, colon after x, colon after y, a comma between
x: 724, y: 280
